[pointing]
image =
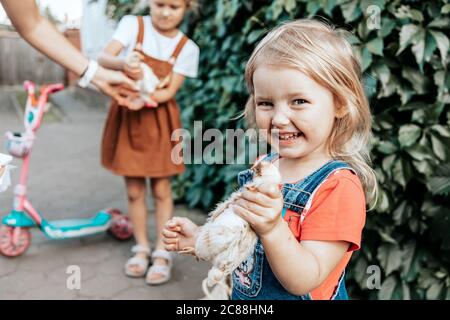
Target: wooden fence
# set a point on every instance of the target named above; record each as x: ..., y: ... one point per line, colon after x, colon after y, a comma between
x: 19, y: 62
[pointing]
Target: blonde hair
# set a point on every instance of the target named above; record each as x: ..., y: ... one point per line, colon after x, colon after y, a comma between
x: 324, y: 54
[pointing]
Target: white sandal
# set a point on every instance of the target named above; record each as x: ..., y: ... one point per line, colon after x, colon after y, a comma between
x: 142, y: 263
x: 164, y: 270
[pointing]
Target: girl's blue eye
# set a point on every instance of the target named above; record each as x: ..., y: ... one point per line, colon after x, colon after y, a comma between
x: 300, y: 101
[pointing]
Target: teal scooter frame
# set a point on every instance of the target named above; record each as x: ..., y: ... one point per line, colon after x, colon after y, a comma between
x: 15, y: 237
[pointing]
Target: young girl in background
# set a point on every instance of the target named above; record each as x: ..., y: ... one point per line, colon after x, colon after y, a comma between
x: 137, y: 141
x: 306, y: 91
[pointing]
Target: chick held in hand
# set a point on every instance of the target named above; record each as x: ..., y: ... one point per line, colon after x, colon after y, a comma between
x: 226, y: 239
x: 149, y: 83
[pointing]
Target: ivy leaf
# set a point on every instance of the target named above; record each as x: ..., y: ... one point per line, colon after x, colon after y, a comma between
x: 418, y: 47
x: 370, y: 85
x: 388, y: 162
x: 289, y: 5
x: 277, y: 9
x: 384, y: 74
x: 407, y: 34
x: 441, y: 22
x: 442, y: 43
x: 398, y: 172
x: 382, y: 201
x: 366, y: 58
x: 387, y: 238
x: 387, y: 288
x: 408, y: 134
x: 417, y: 80
x: 360, y: 270
x: 254, y: 36
x: 407, y: 257
x: 445, y: 9
x: 439, y: 148
x: 386, y: 147
x: 312, y: 8
x: 390, y: 257
x: 350, y: 10
x: 375, y: 46
x: 406, y: 292
x: 388, y: 26
x: 441, y: 130
x: 440, y: 182
x: 328, y: 6
x: 419, y: 152
x: 430, y: 46
x: 402, y: 213
x: 405, y: 12
x: 434, y: 291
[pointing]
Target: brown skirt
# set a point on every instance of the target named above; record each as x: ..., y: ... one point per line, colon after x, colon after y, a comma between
x: 138, y: 143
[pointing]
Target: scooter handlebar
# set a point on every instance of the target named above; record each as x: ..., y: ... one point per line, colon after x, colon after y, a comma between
x: 52, y: 88
x: 28, y: 85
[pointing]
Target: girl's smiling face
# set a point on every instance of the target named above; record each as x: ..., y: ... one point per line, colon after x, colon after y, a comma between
x: 167, y: 14
x: 296, y: 111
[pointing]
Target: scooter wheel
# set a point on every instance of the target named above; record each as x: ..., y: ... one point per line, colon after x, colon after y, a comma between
x: 14, y: 241
x: 121, y: 227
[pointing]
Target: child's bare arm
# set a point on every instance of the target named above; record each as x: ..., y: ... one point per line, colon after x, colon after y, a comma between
x: 165, y: 94
x: 301, y: 267
x: 108, y: 57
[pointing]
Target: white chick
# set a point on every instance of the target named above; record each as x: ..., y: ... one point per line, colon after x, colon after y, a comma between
x: 150, y: 81
x: 226, y: 239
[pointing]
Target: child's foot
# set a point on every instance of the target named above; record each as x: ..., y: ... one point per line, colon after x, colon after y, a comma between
x: 160, y: 271
x: 138, y: 264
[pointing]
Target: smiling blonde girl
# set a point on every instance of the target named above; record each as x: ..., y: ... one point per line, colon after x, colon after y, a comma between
x: 306, y: 93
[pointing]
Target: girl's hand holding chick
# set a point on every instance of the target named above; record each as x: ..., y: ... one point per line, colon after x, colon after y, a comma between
x: 132, y: 66
x: 261, y: 207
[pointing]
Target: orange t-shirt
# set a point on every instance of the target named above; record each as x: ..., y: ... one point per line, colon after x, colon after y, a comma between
x: 337, y: 213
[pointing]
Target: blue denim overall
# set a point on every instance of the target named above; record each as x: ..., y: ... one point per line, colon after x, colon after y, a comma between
x: 254, y: 279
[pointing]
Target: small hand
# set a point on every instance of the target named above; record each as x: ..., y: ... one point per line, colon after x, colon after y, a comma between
x: 261, y: 207
x: 132, y: 67
x: 133, y: 71
x: 133, y: 100
x: 179, y: 233
x: 151, y: 102
x: 164, y: 82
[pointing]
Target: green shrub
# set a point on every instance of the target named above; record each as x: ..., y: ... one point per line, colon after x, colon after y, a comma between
x: 407, y: 80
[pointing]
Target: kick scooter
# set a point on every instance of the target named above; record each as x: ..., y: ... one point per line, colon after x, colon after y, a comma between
x: 15, y: 237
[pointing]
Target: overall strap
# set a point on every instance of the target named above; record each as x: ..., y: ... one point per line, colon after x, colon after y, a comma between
x: 298, y: 196
x: 178, y: 49
x: 271, y: 157
x: 140, y: 35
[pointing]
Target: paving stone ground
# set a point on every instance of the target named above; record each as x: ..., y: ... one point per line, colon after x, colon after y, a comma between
x: 67, y: 181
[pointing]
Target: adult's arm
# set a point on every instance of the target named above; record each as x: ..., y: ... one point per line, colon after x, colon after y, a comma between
x: 43, y: 36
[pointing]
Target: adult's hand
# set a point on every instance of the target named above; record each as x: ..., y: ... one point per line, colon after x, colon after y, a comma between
x: 112, y: 83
